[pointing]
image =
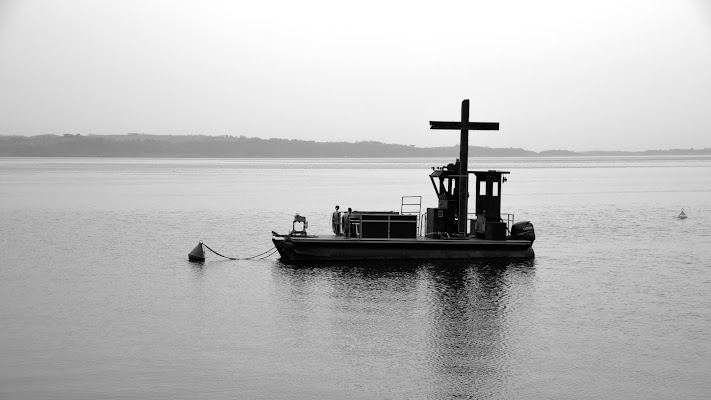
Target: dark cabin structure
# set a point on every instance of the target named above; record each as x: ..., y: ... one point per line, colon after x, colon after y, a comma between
x: 485, y: 223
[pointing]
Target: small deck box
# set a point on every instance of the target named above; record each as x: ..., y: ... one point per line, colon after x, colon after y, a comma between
x: 495, y: 231
x: 387, y: 225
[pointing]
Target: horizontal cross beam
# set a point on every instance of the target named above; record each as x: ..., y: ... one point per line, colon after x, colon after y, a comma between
x: 456, y: 125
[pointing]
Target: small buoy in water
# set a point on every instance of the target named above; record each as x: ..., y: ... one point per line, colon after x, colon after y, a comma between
x: 682, y: 215
x: 197, y: 254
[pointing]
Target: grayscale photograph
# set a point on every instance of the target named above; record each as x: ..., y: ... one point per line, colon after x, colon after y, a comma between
x: 374, y: 200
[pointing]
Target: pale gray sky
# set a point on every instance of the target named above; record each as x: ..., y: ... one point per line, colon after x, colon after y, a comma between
x: 595, y: 75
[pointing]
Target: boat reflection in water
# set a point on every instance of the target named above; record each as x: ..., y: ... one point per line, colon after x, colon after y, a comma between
x: 411, y: 329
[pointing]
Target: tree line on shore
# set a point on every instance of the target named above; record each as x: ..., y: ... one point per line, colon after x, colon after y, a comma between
x: 202, y: 146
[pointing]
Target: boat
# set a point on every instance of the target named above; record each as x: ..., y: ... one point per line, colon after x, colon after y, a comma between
x: 682, y: 215
x: 448, y: 231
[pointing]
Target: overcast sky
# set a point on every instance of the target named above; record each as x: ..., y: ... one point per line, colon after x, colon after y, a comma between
x: 595, y: 75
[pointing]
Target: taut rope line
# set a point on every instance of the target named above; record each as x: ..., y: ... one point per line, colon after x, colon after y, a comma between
x: 262, y: 255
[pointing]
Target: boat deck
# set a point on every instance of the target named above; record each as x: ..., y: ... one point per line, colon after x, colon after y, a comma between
x: 332, y: 247
x: 394, y: 240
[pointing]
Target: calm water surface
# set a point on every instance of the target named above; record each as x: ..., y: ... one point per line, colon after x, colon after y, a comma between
x: 97, y: 299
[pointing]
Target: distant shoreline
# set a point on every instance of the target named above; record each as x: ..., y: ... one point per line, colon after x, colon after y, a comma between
x: 200, y: 146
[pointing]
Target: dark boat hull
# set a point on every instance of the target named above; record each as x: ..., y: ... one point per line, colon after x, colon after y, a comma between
x: 338, y: 248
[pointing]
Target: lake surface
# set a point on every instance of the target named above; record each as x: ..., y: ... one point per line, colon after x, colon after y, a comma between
x: 98, y: 300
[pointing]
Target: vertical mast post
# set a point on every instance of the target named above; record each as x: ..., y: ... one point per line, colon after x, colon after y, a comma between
x: 464, y: 126
x: 463, y: 169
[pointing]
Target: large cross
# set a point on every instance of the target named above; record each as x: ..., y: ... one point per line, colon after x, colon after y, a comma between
x: 464, y: 126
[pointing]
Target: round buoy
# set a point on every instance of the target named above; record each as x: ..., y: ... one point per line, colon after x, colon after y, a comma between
x: 197, y: 254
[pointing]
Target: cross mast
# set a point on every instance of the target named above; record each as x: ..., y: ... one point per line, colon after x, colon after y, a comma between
x: 464, y: 126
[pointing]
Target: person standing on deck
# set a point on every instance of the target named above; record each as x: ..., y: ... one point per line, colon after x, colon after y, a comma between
x: 352, y: 227
x: 336, y: 221
x: 345, y: 223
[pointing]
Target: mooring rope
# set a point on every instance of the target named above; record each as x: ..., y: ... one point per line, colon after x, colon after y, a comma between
x: 261, y: 254
x: 269, y: 255
x: 208, y: 247
x: 271, y: 251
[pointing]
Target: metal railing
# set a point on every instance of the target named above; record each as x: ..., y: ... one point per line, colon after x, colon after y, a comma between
x: 509, y: 221
x: 409, y: 208
x: 508, y: 218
